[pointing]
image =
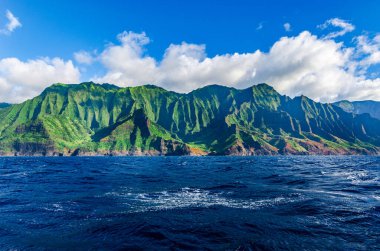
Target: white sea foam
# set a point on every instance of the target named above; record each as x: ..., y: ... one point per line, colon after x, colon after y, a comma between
x: 189, y: 197
x: 361, y: 176
x: 55, y: 207
x: 376, y: 197
x: 356, y: 177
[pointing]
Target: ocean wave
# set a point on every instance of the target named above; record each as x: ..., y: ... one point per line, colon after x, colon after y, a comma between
x: 196, y: 198
x: 355, y: 177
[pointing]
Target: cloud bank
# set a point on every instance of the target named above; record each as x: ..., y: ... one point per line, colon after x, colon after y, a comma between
x: 320, y: 68
x: 304, y: 64
x: 21, y: 80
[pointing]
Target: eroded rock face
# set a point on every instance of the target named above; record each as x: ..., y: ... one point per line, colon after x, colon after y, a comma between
x: 91, y: 119
x: 33, y: 149
x: 169, y: 147
x: 23, y: 146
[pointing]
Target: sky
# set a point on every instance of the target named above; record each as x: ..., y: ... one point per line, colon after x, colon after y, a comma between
x: 327, y: 50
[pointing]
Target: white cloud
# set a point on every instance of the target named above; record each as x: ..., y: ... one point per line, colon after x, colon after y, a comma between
x: 20, y: 80
x: 12, y: 24
x: 305, y: 64
x: 343, y: 25
x: 320, y: 68
x: 368, y: 49
x: 84, y: 57
x: 287, y: 27
x: 260, y: 26
x: 126, y: 63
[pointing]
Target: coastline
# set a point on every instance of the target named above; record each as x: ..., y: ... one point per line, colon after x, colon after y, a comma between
x: 150, y: 154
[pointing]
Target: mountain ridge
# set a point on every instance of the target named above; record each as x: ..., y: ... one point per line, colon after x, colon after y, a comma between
x: 104, y: 119
x: 360, y: 107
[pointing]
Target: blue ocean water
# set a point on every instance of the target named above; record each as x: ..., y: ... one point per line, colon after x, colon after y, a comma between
x: 190, y: 203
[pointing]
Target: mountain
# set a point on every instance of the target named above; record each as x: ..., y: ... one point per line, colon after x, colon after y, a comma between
x: 4, y: 105
x: 361, y: 107
x: 93, y: 119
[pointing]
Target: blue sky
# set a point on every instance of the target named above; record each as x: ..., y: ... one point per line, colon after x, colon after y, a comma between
x: 57, y: 30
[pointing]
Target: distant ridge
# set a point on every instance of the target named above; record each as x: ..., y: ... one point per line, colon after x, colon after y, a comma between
x: 4, y: 105
x: 361, y: 107
x: 94, y: 119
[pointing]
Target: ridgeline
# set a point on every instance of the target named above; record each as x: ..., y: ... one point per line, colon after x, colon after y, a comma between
x: 93, y: 119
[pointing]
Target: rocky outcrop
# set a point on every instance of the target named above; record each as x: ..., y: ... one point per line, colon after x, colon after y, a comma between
x: 33, y: 149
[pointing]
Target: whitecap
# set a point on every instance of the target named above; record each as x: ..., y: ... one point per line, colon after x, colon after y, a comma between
x: 193, y: 197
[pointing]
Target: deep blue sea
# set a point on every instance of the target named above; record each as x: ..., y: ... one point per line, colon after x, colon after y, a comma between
x: 190, y: 203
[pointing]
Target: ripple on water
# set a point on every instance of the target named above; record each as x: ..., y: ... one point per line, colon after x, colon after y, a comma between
x: 216, y: 203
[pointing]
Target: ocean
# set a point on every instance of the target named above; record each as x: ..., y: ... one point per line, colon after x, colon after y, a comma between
x: 190, y: 203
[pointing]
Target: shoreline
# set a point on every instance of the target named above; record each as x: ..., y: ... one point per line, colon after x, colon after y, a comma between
x: 182, y: 155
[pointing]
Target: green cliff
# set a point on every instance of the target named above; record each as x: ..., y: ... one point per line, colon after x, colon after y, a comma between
x: 93, y: 119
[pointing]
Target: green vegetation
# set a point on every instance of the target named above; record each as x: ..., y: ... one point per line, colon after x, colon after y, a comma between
x: 90, y: 118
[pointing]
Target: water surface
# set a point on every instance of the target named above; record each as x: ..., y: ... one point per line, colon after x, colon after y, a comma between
x: 187, y: 203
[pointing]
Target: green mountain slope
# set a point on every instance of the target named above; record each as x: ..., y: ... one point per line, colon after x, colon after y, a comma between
x: 88, y: 119
x: 361, y: 107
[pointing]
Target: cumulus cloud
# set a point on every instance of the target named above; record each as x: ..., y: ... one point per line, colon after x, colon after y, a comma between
x: 12, y: 23
x: 126, y: 63
x: 20, y: 80
x: 343, y: 25
x: 183, y: 68
x: 304, y: 64
x: 84, y: 57
x: 320, y: 68
x: 287, y: 27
